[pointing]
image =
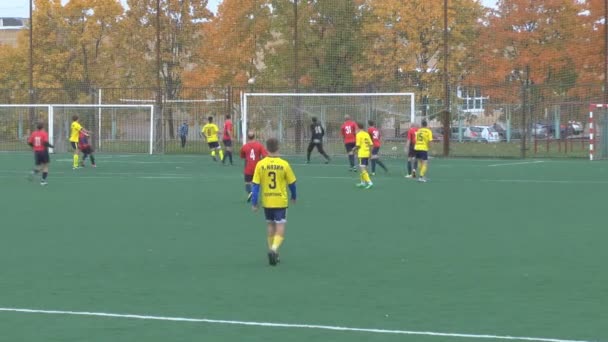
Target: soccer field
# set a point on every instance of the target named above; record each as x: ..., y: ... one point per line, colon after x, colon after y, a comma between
x: 164, y: 248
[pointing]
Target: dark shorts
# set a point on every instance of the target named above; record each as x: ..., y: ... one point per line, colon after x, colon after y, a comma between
x: 41, y: 157
x: 411, y: 153
x: 248, y: 178
x: 214, y: 144
x: 278, y: 215
x: 227, y: 143
x: 87, y: 150
x: 74, y: 145
x: 422, y: 155
x: 349, y: 146
x: 375, y: 151
x: 364, y: 161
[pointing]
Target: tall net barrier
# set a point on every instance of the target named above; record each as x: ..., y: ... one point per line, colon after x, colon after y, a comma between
x: 507, y: 68
x: 113, y: 128
x: 288, y: 117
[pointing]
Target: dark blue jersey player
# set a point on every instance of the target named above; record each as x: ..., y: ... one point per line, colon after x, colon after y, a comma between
x: 316, y: 139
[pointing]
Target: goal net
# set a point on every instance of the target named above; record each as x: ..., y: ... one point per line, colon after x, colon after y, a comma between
x: 598, y: 129
x: 287, y: 117
x: 114, y: 128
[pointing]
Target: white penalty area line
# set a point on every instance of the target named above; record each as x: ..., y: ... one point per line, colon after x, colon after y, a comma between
x: 281, y: 325
x: 518, y: 163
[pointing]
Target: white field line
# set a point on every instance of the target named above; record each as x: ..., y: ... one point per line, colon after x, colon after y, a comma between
x: 283, y: 325
x: 517, y: 163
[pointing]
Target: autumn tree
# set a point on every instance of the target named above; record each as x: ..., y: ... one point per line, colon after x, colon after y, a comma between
x: 180, y: 23
x: 404, y: 44
x: 236, y: 43
x: 530, y: 40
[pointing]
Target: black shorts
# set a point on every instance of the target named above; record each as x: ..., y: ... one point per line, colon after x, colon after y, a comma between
x: 349, y: 146
x: 41, y: 157
x: 277, y: 215
x: 87, y: 150
x: 375, y: 151
x: 74, y: 145
x: 422, y: 155
x: 248, y: 178
x: 214, y: 144
x: 411, y: 153
x: 363, y: 161
x: 227, y: 143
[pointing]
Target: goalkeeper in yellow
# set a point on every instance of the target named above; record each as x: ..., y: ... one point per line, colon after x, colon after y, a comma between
x: 272, y: 176
x: 209, y: 132
x: 363, y: 148
x: 75, y: 129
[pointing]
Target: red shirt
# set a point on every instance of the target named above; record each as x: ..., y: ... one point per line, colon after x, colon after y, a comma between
x: 38, y: 139
x: 375, y: 134
x: 349, y: 131
x: 411, y: 135
x: 252, y: 152
x: 83, y: 141
x: 227, y: 130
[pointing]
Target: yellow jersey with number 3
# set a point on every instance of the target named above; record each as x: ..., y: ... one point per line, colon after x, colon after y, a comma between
x: 424, y: 136
x: 75, y: 131
x: 210, y: 131
x: 364, y: 141
x: 273, y: 174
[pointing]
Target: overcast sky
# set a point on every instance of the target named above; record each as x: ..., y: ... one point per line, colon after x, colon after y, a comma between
x: 20, y: 8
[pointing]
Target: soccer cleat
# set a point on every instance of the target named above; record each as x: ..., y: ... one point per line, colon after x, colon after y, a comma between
x: 360, y: 185
x: 327, y: 162
x: 422, y: 180
x: 373, y: 173
x: 43, y: 182
x: 272, y: 258
x: 409, y: 176
x: 369, y: 186
x: 94, y: 165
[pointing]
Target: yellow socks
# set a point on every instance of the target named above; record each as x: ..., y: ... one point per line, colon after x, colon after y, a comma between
x: 75, y: 161
x: 276, y: 242
x: 221, y: 155
x: 423, y: 170
x: 213, y: 153
x: 365, y: 177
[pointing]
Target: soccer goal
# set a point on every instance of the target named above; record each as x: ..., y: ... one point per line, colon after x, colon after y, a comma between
x: 598, y: 126
x: 115, y: 128
x: 287, y: 116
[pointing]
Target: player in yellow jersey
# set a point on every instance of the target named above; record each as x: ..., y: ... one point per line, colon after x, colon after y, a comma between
x: 75, y: 129
x: 424, y: 136
x: 209, y: 132
x: 272, y: 176
x: 363, y: 148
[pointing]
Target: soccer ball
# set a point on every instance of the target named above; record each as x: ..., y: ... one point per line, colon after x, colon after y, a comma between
x: 394, y: 148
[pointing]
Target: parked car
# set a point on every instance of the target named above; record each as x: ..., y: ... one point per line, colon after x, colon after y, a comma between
x: 481, y: 134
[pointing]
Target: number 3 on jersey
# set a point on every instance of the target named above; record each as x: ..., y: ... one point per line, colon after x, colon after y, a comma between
x: 273, y: 180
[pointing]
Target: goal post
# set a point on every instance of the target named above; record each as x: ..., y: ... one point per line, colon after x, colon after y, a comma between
x: 598, y: 127
x: 117, y: 128
x: 287, y: 116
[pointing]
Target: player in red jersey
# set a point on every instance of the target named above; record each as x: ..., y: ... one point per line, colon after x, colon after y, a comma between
x: 86, y: 149
x: 39, y: 141
x: 375, y: 135
x: 349, y: 132
x: 227, y: 139
x: 411, y: 153
x: 252, y: 152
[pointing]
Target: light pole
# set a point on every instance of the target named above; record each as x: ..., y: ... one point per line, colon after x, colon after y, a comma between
x: 31, y: 66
